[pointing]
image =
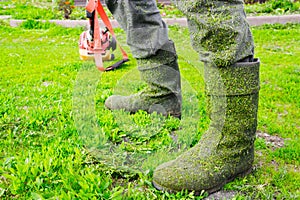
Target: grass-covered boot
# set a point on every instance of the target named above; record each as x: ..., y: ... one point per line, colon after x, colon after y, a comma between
x: 226, y: 149
x: 163, y: 91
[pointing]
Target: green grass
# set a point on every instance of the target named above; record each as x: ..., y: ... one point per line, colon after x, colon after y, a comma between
x: 274, y: 7
x: 50, y: 99
x: 46, y: 10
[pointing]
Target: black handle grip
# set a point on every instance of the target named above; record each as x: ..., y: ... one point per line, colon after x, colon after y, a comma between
x: 116, y: 65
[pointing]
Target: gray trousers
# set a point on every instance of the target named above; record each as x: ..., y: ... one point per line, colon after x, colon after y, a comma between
x: 218, y: 29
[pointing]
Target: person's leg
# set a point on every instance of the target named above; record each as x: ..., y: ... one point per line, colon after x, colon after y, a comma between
x: 219, y: 30
x: 147, y: 36
x: 222, y: 37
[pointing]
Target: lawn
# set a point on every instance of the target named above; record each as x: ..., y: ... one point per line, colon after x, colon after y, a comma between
x: 57, y: 140
x: 52, y: 9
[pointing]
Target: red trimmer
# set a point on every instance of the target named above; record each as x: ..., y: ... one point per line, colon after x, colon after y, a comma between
x: 97, y: 44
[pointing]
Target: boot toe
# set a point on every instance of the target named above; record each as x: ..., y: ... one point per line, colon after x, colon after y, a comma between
x: 187, y: 173
x: 167, y: 178
x: 174, y: 177
x: 130, y: 103
x: 118, y: 102
x: 110, y: 102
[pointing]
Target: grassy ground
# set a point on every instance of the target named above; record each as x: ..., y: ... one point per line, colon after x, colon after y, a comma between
x: 44, y: 9
x: 50, y: 100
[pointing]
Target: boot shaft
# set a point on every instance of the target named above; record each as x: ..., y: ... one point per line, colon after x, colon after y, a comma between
x: 161, y: 72
x: 241, y: 78
x: 232, y: 96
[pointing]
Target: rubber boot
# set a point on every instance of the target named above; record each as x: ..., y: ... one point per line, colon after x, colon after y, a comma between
x: 163, y: 91
x: 226, y: 150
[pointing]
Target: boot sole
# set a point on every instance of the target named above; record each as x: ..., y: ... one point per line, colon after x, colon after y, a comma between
x: 177, y: 115
x: 210, y: 190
